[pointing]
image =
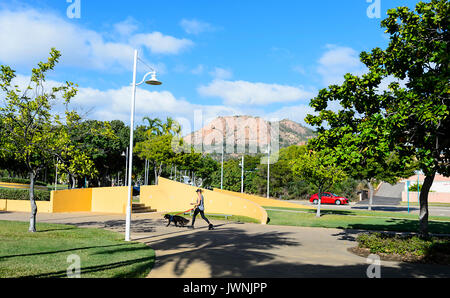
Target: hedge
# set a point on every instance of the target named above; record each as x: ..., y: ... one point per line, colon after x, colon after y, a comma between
x: 24, y: 194
x: 21, y: 181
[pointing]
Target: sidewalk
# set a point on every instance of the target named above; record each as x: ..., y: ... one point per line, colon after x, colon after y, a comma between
x: 242, y: 250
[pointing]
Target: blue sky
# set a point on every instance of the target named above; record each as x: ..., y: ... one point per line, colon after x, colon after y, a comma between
x: 246, y: 57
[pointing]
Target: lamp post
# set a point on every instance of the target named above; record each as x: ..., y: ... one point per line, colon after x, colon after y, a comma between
x: 268, y: 170
x: 125, y: 154
x: 221, y: 169
x: 242, y: 174
x: 151, y: 81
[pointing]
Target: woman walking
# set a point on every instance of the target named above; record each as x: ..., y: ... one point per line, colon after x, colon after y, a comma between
x: 200, y: 208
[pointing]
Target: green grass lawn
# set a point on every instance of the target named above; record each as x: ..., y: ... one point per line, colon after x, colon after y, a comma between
x: 232, y: 218
x: 103, y: 254
x: 356, y: 219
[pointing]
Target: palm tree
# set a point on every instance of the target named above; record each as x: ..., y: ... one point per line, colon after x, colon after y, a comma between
x: 171, y: 127
x: 155, y: 126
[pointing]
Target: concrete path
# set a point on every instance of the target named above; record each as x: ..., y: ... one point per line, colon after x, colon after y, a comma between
x: 242, y: 250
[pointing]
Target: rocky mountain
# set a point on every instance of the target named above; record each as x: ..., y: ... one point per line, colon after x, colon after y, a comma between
x: 251, y: 133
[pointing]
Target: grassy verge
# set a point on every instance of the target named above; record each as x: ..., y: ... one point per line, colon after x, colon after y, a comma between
x: 415, y: 204
x: 233, y: 218
x: 356, y: 219
x: 103, y: 254
x: 407, y: 248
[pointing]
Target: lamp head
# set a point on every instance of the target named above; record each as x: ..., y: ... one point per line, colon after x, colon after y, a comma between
x: 153, y: 80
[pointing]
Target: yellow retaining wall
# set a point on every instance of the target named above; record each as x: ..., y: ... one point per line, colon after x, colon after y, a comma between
x: 104, y: 200
x: 152, y: 195
x: 171, y: 196
x: 24, y: 206
x: 71, y: 200
x: 263, y: 201
x: 109, y: 199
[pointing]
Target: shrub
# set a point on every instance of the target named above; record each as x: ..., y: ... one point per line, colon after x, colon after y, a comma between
x: 405, y: 245
x: 24, y: 194
x: 21, y: 181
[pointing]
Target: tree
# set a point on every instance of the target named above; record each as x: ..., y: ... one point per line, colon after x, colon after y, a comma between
x: 154, y: 125
x: 319, y: 170
x: 283, y: 183
x: 353, y: 142
x: 93, y: 150
x: 158, y: 144
x: 206, y: 168
x: 31, y: 133
x: 409, y: 121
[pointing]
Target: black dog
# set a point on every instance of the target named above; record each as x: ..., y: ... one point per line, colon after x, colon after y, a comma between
x: 176, y: 219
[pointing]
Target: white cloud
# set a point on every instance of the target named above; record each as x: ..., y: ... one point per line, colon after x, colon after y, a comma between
x: 295, y: 113
x: 198, y: 70
x: 195, y: 27
x: 126, y: 27
x: 299, y: 69
x: 336, y: 62
x: 248, y: 93
x: 221, y: 73
x: 161, y: 44
x: 116, y: 104
x: 27, y: 36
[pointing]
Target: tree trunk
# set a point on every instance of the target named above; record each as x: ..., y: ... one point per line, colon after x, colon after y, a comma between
x: 74, y: 185
x: 32, y: 227
x: 370, y: 194
x: 159, y: 173
x: 319, y: 203
x: 428, y: 182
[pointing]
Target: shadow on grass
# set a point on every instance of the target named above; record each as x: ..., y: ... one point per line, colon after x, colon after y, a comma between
x: 56, y: 229
x: 59, y: 251
x: 403, y: 225
x: 145, y: 264
x: 385, y: 208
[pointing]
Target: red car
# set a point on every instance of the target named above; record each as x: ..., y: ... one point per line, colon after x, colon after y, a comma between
x: 328, y: 198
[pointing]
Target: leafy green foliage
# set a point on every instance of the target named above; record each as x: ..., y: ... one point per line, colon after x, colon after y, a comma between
x: 385, y: 133
x: 318, y: 169
x: 434, y: 249
x: 31, y: 134
x: 21, y: 181
x: 24, y: 194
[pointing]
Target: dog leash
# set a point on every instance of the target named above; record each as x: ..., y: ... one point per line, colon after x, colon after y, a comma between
x: 185, y: 211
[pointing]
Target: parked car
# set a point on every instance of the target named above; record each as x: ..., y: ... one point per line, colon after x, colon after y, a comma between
x: 328, y: 198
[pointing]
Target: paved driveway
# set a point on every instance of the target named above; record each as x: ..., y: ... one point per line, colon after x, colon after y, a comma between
x: 242, y: 250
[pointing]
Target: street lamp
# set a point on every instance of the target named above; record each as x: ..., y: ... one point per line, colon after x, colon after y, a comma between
x: 268, y: 170
x: 125, y: 154
x: 242, y: 174
x: 151, y: 81
x: 221, y: 170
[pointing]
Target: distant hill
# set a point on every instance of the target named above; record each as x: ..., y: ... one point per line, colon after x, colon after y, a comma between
x: 254, y: 130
